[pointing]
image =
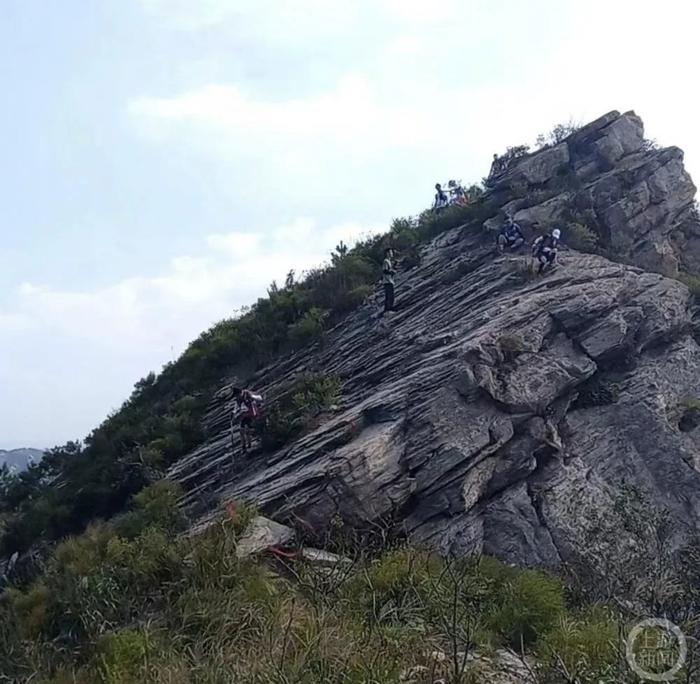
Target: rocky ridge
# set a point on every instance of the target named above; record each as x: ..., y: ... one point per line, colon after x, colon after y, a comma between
x: 497, y: 412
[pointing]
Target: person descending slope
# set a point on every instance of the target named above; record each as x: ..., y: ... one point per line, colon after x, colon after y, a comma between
x: 388, y: 273
x: 511, y: 236
x: 249, y: 410
x: 441, y: 200
x: 544, y: 249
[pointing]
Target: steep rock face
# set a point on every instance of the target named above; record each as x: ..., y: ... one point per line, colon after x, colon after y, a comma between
x: 461, y: 415
x: 497, y: 411
x: 638, y: 199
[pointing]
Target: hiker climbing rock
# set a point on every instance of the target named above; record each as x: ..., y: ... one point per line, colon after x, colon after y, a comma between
x: 248, y: 411
x: 544, y: 249
x: 511, y: 236
x: 388, y: 273
x: 441, y: 200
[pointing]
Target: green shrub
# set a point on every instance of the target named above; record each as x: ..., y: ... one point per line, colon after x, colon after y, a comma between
x: 308, y: 328
x: 558, y: 134
x: 168, y: 608
x: 390, y: 589
x: 316, y: 393
x: 692, y: 282
x: 358, y: 295
x: 280, y: 428
x: 304, y: 401
x: 404, y: 234
x: 531, y: 604
x: 155, y: 505
x: 123, y: 656
x: 30, y: 609
x: 587, y: 645
x: 431, y: 224
x: 581, y: 237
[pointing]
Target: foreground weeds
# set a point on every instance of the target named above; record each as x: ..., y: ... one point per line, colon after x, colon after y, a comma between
x: 136, y: 600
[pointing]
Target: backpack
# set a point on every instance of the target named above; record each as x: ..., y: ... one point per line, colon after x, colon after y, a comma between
x: 253, y: 403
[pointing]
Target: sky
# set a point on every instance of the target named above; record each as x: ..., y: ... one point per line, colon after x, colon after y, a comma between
x: 164, y: 160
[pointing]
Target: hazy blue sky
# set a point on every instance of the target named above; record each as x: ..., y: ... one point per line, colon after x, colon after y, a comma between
x: 163, y: 160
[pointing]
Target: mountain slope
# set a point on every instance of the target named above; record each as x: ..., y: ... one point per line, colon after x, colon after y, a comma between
x: 19, y: 459
x: 497, y: 411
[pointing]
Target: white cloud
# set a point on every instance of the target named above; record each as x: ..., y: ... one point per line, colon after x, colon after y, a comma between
x: 307, y: 15
x: 189, y: 14
x: 422, y: 13
x: 271, y: 18
x: 350, y: 115
x: 232, y: 270
x: 109, y: 337
x: 407, y: 45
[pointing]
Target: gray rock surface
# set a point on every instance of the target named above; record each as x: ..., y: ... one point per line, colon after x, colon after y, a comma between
x: 261, y: 534
x: 499, y: 667
x: 496, y: 409
x: 606, y: 176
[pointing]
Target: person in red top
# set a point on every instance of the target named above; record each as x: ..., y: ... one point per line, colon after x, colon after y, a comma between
x: 249, y: 409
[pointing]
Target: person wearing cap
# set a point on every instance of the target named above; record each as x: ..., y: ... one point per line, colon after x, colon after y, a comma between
x: 544, y: 249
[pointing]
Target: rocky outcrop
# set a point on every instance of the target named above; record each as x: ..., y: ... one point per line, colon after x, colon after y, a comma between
x: 496, y: 410
x: 500, y: 667
x: 608, y: 177
x: 261, y: 534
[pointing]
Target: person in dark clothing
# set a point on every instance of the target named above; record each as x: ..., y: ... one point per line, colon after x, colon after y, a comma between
x: 388, y: 273
x: 496, y: 169
x: 441, y: 200
x: 249, y: 408
x: 544, y: 249
x: 511, y: 236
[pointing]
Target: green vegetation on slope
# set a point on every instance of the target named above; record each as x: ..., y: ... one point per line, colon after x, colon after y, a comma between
x: 131, y: 601
x: 161, y: 421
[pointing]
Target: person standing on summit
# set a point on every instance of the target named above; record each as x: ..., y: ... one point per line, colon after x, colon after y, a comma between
x: 388, y: 273
x: 441, y: 200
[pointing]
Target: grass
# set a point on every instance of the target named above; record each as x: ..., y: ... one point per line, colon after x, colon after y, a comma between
x: 157, y: 606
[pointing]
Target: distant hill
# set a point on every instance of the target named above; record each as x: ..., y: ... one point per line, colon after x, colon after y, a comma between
x: 19, y: 459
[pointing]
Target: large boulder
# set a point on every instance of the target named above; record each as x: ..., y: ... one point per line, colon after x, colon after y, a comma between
x: 261, y: 534
x: 637, y: 198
